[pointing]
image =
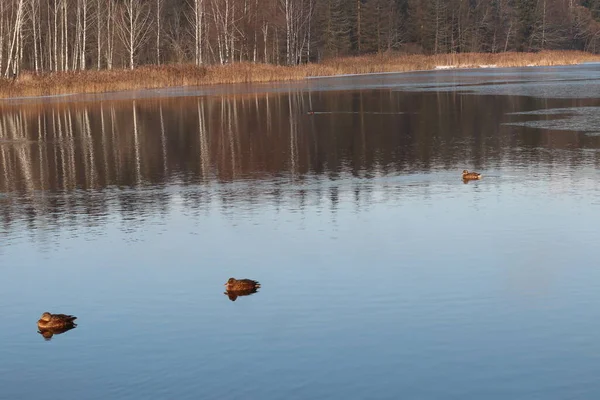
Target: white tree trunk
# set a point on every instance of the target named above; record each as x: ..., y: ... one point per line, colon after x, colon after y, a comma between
x: 20, y: 47
x: 133, y: 26
x: 84, y: 36
x: 131, y: 42
x: 12, y: 54
x: 543, y: 25
x: 255, y: 50
x: 98, y: 34
x: 41, y: 37
x: 226, y: 30
x: 66, y: 30
x: 198, y: 30
x: 288, y: 30
x: 55, y: 67
x: 220, y: 30
x: 158, y: 18
x: 76, y: 44
x: 1, y: 34
x: 34, y: 11
x: 265, y: 32
x: 63, y: 35
x: 110, y: 34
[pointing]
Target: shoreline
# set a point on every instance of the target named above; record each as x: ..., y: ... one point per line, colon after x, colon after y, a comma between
x: 30, y: 87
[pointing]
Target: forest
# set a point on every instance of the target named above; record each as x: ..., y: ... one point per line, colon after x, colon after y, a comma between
x: 68, y: 35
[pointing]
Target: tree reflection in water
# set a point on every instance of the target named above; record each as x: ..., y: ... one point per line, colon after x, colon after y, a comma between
x: 79, y: 163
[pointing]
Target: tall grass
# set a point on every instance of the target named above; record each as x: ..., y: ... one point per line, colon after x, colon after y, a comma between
x: 29, y: 84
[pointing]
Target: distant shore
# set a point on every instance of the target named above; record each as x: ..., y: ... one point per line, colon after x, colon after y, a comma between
x: 29, y: 84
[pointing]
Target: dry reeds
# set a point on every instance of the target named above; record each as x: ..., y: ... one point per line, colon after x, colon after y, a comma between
x: 146, y: 77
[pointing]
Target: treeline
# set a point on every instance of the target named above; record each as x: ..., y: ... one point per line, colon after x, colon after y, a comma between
x: 65, y: 35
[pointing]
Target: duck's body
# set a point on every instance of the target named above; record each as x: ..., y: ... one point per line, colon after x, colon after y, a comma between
x: 56, y: 321
x: 468, y: 176
x: 239, y: 285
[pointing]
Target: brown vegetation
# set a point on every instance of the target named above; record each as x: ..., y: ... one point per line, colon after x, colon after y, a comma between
x: 29, y: 84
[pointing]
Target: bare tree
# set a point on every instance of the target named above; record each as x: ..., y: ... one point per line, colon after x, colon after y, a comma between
x: 197, y: 23
x: 34, y: 16
x: 133, y: 26
x: 223, y: 13
x: 158, y: 29
x: 111, y: 16
x: 84, y: 17
x: 62, y: 35
x: 99, y: 24
x: 13, y: 52
x: 2, y: 17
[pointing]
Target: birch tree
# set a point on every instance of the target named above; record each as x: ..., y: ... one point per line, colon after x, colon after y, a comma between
x: 197, y: 22
x: 133, y: 26
x: 13, y: 52
x: 34, y: 16
x: 111, y: 17
x: 99, y: 24
x: 158, y: 29
x: 63, y: 35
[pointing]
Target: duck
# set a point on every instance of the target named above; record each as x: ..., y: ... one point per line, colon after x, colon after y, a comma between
x: 466, y: 175
x: 235, y: 285
x: 50, y: 321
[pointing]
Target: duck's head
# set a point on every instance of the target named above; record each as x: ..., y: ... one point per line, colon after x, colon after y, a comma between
x: 465, y: 172
x: 230, y: 281
x: 46, y: 316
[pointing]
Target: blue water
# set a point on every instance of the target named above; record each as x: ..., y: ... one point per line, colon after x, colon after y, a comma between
x: 383, y: 275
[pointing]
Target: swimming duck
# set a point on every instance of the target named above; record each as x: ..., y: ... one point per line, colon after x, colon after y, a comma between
x: 466, y: 175
x: 241, y: 284
x: 234, y: 294
x: 56, y: 321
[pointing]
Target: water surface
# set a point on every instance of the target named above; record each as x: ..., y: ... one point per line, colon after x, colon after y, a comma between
x: 383, y: 275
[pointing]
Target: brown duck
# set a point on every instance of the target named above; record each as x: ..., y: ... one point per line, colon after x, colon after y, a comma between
x: 469, y: 176
x: 239, y: 285
x: 56, y: 321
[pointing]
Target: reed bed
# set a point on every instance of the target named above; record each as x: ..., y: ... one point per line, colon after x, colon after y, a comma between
x: 29, y: 84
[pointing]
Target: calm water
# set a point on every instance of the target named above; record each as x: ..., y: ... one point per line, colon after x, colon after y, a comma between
x: 383, y: 275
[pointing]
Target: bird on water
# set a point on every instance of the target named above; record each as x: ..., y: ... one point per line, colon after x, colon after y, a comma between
x: 466, y: 175
x: 241, y: 284
x: 56, y: 321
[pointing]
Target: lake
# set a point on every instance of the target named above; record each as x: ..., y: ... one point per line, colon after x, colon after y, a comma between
x: 383, y: 274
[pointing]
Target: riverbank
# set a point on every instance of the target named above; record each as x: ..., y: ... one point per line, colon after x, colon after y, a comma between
x: 146, y: 77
